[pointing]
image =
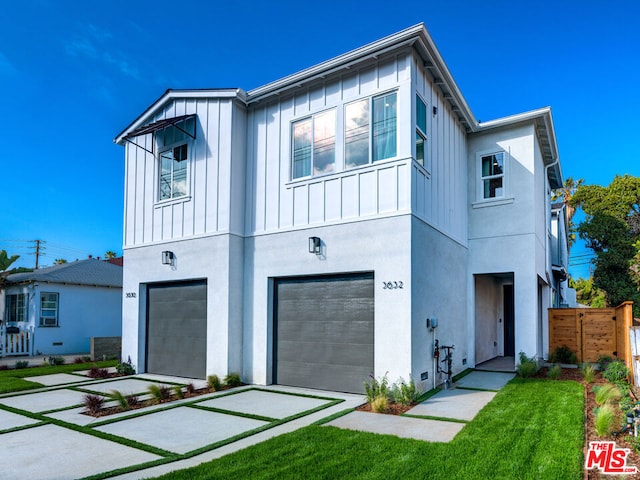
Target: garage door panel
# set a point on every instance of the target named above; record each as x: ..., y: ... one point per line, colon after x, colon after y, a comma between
x: 324, y: 331
x: 176, y: 329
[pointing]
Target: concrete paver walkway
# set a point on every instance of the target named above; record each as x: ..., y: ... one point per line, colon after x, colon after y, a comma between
x: 457, y: 404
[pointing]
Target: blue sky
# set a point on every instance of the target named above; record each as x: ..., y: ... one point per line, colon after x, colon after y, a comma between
x: 74, y: 74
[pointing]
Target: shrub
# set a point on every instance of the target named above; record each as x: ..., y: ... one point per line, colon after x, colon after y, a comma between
x: 380, y: 403
x: 121, y: 399
x: 233, y: 380
x: 191, y: 388
x: 93, y: 404
x: 554, y: 372
x: 56, y: 360
x: 405, y: 393
x: 563, y: 354
x: 527, y: 367
x: 214, y: 383
x: 616, y: 372
x: 22, y: 364
x: 375, y: 388
x: 603, y: 361
x: 604, y: 420
x: 606, y: 394
x: 4, y: 367
x: 133, y: 401
x: 588, y: 371
x: 86, y: 359
x: 160, y: 393
x: 96, y: 372
x: 126, y: 368
x: 177, y: 390
x: 78, y: 360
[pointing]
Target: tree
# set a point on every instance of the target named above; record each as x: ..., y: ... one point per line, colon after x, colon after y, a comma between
x: 59, y: 261
x: 612, y: 230
x: 6, y: 260
x: 565, y: 194
x: 587, y: 294
x: 110, y: 254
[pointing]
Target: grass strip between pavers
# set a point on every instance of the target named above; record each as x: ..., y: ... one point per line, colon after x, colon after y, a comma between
x: 330, y: 418
x: 22, y: 427
x: 61, y: 409
x: 477, y: 389
x: 233, y: 413
x: 432, y: 417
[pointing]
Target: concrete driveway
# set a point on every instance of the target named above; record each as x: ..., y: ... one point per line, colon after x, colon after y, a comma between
x: 45, y: 436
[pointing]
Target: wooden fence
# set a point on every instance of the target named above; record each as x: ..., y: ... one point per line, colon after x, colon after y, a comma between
x: 591, y: 332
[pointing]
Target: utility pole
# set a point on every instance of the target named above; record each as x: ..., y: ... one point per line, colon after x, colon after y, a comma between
x: 39, y: 250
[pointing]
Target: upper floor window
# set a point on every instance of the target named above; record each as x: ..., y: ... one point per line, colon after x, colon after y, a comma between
x: 173, y: 146
x: 421, y: 130
x: 48, y: 309
x: 492, y: 175
x: 370, y: 130
x: 314, y: 145
x: 16, y: 308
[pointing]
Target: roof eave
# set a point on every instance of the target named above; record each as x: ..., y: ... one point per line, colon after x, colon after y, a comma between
x: 172, y: 94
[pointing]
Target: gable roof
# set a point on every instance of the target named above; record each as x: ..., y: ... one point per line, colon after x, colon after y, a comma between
x: 81, y: 272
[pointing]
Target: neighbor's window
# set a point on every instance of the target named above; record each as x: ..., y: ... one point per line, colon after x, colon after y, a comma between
x: 421, y: 130
x: 492, y: 177
x: 173, y: 147
x: 48, y: 309
x: 370, y: 127
x: 314, y: 145
x: 16, y: 308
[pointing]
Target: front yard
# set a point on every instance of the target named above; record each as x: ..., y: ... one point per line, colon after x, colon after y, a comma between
x: 532, y: 429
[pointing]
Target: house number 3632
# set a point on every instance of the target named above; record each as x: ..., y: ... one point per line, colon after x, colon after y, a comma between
x: 392, y: 285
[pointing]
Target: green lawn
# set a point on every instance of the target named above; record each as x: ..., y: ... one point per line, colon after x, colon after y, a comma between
x: 14, y: 380
x: 533, y: 429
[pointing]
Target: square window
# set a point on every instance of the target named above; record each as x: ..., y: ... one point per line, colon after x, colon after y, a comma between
x: 48, y: 309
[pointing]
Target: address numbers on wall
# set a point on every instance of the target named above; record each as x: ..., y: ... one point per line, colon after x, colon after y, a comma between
x: 394, y: 285
x: 130, y: 294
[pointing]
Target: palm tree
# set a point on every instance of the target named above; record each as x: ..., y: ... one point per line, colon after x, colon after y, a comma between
x: 110, y: 254
x: 565, y: 193
x: 59, y: 261
x: 6, y: 260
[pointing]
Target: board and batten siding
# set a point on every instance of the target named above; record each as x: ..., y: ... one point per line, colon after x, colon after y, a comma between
x: 276, y: 202
x: 214, y: 202
x: 440, y: 188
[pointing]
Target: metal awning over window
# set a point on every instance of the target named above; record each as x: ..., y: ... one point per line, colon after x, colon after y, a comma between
x: 162, y: 124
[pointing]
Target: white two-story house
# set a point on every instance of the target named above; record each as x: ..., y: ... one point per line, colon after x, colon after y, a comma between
x: 303, y: 232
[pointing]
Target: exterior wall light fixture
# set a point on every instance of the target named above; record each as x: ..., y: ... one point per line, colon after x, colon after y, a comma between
x: 435, y: 111
x: 314, y: 245
x: 167, y: 257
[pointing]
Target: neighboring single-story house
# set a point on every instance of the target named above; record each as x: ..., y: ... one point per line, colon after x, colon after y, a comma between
x: 56, y: 310
x: 303, y: 232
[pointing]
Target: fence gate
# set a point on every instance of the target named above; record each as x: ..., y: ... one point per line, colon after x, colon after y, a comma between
x: 16, y: 341
x: 591, y: 332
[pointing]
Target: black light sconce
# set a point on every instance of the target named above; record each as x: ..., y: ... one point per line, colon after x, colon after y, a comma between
x: 314, y: 245
x: 167, y: 257
x: 435, y: 111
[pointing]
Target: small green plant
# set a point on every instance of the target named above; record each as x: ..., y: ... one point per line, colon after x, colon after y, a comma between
x: 604, y: 419
x: 56, y: 360
x: 616, y: 372
x: 606, y: 394
x: 121, y: 399
x: 588, y: 371
x: 126, y: 368
x: 554, y: 372
x: 214, y: 383
x: 603, y: 361
x: 177, y: 391
x: 21, y: 364
x: 563, y: 354
x: 233, y: 380
x: 405, y: 393
x: 380, y: 404
x: 160, y: 393
x: 527, y: 367
x: 93, y: 404
x: 376, y: 387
